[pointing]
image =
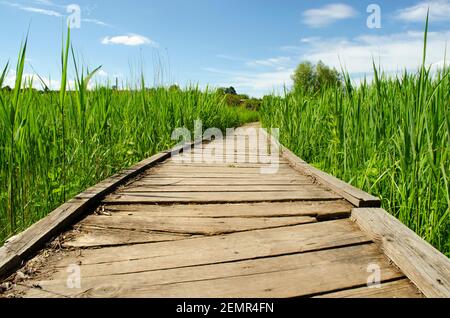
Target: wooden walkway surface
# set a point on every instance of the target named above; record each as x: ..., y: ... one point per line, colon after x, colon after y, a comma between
x: 195, y: 229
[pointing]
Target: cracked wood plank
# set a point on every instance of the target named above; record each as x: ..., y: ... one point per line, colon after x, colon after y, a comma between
x: 232, y: 175
x: 190, y: 225
x: 214, y: 249
x: 172, y: 163
x: 421, y: 262
x: 284, y: 276
x: 212, y: 188
x: 219, y: 181
x: 215, y: 197
x: 318, y: 209
x: 219, y: 170
x: 402, y: 288
x: 97, y: 236
x: 20, y: 247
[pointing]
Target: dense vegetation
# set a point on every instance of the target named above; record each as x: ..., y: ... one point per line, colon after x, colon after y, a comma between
x: 309, y: 78
x: 56, y: 144
x: 232, y: 98
x: 390, y: 137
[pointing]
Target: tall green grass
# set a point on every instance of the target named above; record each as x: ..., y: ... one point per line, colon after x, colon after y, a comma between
x: 390, y: 137
x: 54, y: 145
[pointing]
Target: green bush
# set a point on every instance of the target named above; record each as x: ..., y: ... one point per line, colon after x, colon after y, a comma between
x: 311, y: 78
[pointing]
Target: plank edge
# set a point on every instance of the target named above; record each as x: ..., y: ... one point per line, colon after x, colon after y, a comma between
x: 423, y: 264
x: 355, y: 196
x: 24, y: 245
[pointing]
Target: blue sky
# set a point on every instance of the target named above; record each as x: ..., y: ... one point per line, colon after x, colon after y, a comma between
x: 253, y: 45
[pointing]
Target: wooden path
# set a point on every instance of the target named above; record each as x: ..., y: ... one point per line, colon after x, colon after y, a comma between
x: 196, y: 229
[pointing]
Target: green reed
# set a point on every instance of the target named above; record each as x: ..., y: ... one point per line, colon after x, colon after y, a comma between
x: 56, y: 144
x: 390, y: 137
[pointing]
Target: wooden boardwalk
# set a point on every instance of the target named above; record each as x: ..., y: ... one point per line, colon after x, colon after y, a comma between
x: 196, y: 229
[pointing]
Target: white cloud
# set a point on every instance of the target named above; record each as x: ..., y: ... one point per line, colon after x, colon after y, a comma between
x: 394, y: 52
x: 97, y: 22
x: 309, y: 39
x: 264, y: 81
x: 439, y: 11
x: 328, y: 14
x: 10, y: 81
x: 45, y: 2
x: 129, y: 40
x: 101, y: 73
x: 41, y: 11
x: 51, y: 13
x: 230, y: 58
x: 440, y: 64
x: 278, y: 62
x: 254, y: 83
x: 99, y: 79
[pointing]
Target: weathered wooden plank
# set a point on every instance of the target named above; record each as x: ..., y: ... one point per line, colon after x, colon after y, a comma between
x: 190, y: 225
x: 214, y: 249
x: 230, y: 152
x: 229, y: 147
x: 172, y: 163
x: 218, y: 181
x: 216, y: 197
x: 212, y: 188
x: 226, y: 152
x: 239, y: 166
x: 275, y: 249
x: 318, y: 209
x: 226, y: 159
x: 283, y: 276
x: 242, y: 176
x: 425, y: 266
x: 102, y: 237
x: 402, y: 288
x: 219, y: 170
x: 19, y: 248
x: 225, y: 172
x: 232, y: 175
x: 238, y: 154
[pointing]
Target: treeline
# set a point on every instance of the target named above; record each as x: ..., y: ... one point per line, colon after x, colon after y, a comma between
x: 232, y: 98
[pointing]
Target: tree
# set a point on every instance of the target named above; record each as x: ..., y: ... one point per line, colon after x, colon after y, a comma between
x: 230, y: 90
x: 304, y: 77
x: 174, y: 88
x: 310, y: 78
x: 327, y: 76
x: 232, y: 100
x: 252, y: 103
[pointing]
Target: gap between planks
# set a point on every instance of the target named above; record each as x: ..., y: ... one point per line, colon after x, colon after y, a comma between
x: 282, y: 276
x: 137, y: 224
